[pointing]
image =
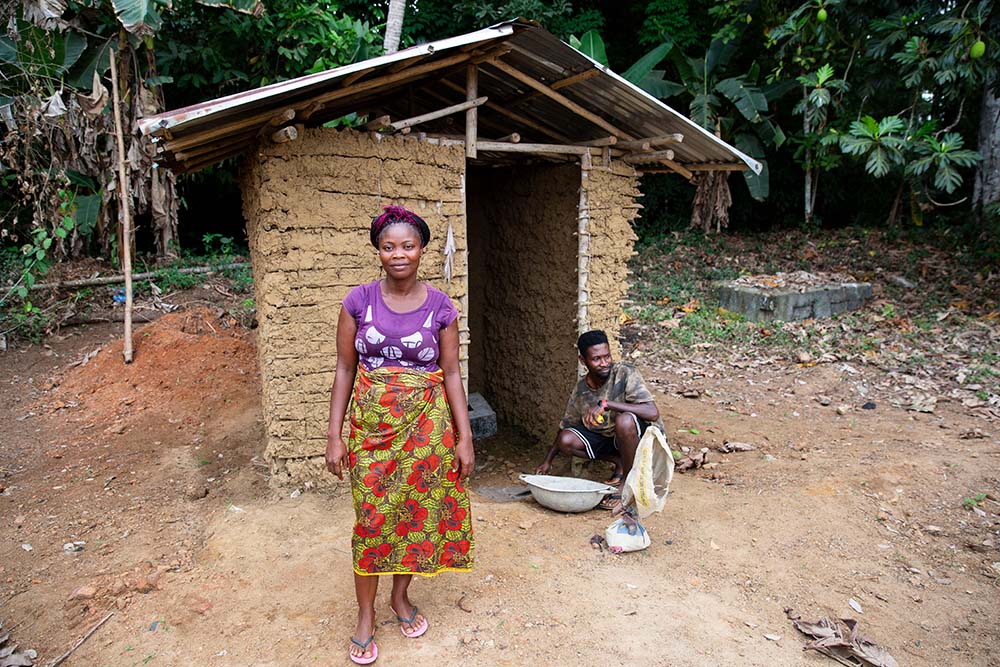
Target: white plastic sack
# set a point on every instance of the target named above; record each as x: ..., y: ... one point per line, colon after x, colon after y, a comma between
x: 648, y: 482
x: 622, y: 537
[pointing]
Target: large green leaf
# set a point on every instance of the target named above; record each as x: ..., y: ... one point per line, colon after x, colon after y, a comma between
x: 758, y: 184
x: 748, y: 100
x: 703, y: 110
x: 74, y: 46
x: 591, y: 45
x: 8, y: 50
x: 139, y: 17
x: 643, y: 66
x: 654, y: 84
x: 255, y: 7
x: 718, y: 55
x: 88, y: 207
x: 97, y: 58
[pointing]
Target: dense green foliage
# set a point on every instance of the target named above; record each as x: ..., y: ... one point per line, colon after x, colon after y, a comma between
x: 863, y: 112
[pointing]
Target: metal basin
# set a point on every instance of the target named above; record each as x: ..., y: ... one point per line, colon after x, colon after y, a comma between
x: 566, y: 494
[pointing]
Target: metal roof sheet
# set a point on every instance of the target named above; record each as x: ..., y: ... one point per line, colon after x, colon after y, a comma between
x: 428, y: 76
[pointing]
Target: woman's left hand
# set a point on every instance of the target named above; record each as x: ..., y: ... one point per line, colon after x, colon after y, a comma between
x: 465, y: 459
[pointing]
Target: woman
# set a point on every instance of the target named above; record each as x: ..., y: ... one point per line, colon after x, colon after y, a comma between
x: 410, y: 445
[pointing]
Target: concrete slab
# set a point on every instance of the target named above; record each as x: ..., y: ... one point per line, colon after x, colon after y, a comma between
x: 801, y: 303
x: 482, y: 417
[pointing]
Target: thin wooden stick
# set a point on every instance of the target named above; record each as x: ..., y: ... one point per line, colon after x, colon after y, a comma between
x: 124, y: 210
x: 434, y: 115
x: 113, y: 280
x: 104, y: 620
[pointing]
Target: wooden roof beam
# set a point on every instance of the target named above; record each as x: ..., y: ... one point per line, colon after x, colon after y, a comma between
x: 514, y: 116
x: 557, y: 85
x: 560, y: 98
x: 642, y: 158
x: 557, y: 149
x: 434, y: 115
x: 652, y: 141
x: 404, y: 76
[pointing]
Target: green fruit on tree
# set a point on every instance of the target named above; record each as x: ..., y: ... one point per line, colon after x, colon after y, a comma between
x: 978, y: 50
x: 821, y: 15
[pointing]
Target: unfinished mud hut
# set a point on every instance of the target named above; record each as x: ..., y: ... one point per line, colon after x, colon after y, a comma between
x: 522, y: 154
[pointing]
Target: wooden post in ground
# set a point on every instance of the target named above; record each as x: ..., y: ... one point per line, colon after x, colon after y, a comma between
x: 124, y: 210
x: 472, y: 114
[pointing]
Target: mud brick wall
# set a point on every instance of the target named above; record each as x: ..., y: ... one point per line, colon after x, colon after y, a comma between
x: 529, y: 290
x: 610, y: 196
x: 308, y: 206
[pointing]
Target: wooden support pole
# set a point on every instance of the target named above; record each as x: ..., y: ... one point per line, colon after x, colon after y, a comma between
x: 124, y: 210
x: 279, y: 119
x: 440, y: 113
x: 351, y: 78
x: 655, y: 156
x: 561, y: 83
x: 285, y: 134
x: 377, y: 123
x: 245, y: 138
x: 471, y: 115
x: 502, y: 147
x: 311, y: 111
x: 514, y: 116
x: 560, y: 98
x: 603, y: 141
x: 513, y: 138
x: 652, y: 141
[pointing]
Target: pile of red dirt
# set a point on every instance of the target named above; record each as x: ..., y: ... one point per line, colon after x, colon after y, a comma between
x: 187, y: 363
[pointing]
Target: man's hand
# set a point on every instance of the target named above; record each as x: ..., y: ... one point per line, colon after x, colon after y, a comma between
x: 595, y: 418
x: 543, y: 468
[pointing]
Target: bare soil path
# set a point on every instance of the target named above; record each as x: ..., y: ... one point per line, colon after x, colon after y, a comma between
x: 155, y: 467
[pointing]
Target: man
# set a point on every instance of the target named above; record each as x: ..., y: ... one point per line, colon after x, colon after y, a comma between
x: 608, y: 412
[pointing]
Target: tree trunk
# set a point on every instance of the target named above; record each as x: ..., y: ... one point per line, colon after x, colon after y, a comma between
x: 807, y: 210
x: 986, y: 187
x: 394, y: 25
x: 712, y: 200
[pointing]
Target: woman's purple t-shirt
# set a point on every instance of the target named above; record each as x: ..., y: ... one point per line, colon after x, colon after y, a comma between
x: 388, y: 338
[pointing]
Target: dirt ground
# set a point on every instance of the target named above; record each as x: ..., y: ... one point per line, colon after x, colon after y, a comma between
x: 155, y: 468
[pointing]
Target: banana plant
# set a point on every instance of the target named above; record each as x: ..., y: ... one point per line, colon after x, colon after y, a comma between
x: 733, y: 106
x: 142, y: 17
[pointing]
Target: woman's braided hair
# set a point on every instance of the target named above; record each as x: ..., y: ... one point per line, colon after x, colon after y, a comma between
x: 392, y: 215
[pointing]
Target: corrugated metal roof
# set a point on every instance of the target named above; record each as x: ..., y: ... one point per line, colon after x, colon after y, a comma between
x: 430, y: 76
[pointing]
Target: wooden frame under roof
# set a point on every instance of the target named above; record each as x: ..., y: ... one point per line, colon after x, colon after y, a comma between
x: 520, y: 89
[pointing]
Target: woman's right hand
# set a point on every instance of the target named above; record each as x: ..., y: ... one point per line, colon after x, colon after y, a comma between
x: 336, y: 455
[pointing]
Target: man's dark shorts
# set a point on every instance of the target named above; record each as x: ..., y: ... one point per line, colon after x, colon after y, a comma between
x: 600, y: 446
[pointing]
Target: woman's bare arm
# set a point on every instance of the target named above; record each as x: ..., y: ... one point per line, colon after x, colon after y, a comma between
x: 465, y: 457
x: 343, y: 382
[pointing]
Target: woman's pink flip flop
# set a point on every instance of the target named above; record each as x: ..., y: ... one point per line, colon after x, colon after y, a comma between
x: 360, y: 659
x: 415, y: 632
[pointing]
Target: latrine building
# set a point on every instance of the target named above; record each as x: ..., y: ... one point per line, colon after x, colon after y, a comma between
x: 523, y: 156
